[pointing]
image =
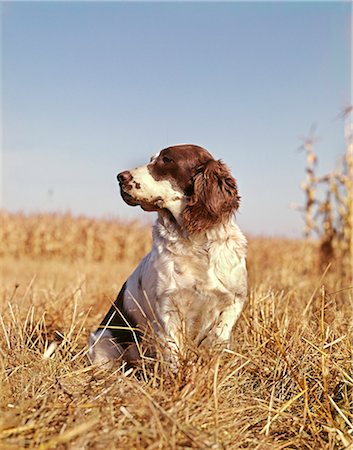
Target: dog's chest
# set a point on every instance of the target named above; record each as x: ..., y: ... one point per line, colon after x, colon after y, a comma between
x: 193, y: 276
x: 190, y: 291
x: 183, y: 269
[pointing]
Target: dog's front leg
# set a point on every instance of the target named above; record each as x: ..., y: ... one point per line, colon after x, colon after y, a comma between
x: 170, y: 344
x: 221, y: 332
x: 227, y: 320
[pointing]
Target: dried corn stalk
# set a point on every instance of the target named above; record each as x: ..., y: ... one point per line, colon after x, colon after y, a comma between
x: 328, y: 209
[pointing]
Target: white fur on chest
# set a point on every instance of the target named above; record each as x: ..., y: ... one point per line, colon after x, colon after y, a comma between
x: 199, y: 279
x: 210, y: 261
x: 189, y: 283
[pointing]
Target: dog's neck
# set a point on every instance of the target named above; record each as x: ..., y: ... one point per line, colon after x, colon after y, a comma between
x: 167, y: 227
x: 167, y: 231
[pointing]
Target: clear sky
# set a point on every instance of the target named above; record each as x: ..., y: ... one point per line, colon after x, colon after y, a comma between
x: 90, y: 89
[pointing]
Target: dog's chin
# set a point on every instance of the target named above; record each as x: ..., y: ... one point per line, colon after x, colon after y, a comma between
x: 129, y: 199
x: 149, y: 207
x: 132, y: 201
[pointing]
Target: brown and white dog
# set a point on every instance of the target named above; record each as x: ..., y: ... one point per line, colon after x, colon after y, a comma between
x: 193, y: 283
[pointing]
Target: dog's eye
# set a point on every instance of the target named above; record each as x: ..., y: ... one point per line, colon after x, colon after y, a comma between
x: 167, y: 160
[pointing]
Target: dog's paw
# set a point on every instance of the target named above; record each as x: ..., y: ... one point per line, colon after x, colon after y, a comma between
x: 103, y: 349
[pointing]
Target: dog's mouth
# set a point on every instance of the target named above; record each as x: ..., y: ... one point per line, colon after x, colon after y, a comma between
x: 132, y: 201
x: 129, y: 199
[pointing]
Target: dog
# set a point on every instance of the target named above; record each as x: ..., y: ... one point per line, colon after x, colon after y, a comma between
x: 192, y: 286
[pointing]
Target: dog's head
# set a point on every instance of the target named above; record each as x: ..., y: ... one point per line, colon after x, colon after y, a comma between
x: 186, y: 180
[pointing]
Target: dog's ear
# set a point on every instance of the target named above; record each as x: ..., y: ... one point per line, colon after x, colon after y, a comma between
x: 214, y: 198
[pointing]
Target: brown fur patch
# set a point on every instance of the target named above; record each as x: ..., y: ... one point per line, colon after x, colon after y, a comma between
x: 177, y: 164
x: 214, y: 199
x: 119, y: 325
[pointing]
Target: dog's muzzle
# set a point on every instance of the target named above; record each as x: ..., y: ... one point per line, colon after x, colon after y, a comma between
x: 125, y: 179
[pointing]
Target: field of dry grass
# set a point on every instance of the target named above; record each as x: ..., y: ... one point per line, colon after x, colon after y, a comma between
x: 285, y: 383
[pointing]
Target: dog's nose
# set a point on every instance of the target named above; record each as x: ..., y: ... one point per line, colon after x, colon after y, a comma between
x: 124, y: 177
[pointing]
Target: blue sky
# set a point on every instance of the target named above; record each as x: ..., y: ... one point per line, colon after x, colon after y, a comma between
x: 90, y: 89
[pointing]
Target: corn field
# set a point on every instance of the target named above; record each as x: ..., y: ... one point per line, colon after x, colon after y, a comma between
x: 63, y: 236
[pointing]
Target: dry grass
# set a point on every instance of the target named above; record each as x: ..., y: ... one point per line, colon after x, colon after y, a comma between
x: 285, y: 383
